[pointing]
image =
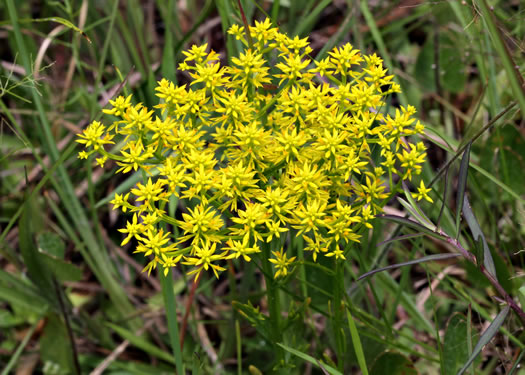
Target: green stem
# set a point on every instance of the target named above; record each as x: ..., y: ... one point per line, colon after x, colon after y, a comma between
x: 274, y: 308
x: 171, y: 315
x: 337, y: 322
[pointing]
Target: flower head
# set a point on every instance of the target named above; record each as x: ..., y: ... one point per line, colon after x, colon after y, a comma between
x: 251, y: 154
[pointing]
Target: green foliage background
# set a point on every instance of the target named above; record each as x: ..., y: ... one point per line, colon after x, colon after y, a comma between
x: 64, y: 279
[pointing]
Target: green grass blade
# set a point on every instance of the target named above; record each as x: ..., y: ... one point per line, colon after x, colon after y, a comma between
x: 103, y: 268
x: 486, y: 336
x: 511, y: 68
x: 18, y: 352
x: 306, y: 24
x: 428, y: 258
x: 171, y: 315
x: 412, y: 224
x: 378, y: 39
x: 142, y: 343
x: 310, y: 359
x: 356, y: 341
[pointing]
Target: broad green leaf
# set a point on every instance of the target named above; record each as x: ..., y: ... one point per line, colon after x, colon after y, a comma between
x: 477, y: 234
x: 38, y: 271
x: 453, y: 75
x: 392, y: 363
x: 486, y: 336
x: 425, y: 66
x: 55, y: 346
x: 455, y: 346
x: 7, y: 319
x: 51, y: 251
x: 312, y: 360
x: 51, y: 244
x: 63, y: 270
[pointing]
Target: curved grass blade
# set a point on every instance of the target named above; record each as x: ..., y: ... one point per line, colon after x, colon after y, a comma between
x: 486, y: 336
x: 400, y: 238
x: 477, y: 234
x: 516, y: 364
x: 59, y: 20
x: 487, y: 126
x: 142, y: 343
x: 462, y: 185
x: 413, y: 204
x: 358, y: 348
x: 410, y: 262
x: 310, y: 359
x: 415, y: 212
x: 14, y: 358
x: 413, y: 225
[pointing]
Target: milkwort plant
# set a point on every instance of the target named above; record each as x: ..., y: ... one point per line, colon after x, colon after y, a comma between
x: 269, y: 147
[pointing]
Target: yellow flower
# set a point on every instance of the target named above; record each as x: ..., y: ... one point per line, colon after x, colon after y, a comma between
x: 281, y: 263
x: 94, y: 136
x: 133, y: 229
x: 422, y: 192
x: 203, y: 258
x: 241, y: 248
x: 250, y: 150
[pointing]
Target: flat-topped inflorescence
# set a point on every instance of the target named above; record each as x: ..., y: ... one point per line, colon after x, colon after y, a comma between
x: 275, y: 144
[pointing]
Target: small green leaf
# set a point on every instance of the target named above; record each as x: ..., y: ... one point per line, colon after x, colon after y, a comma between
x: 477, y: 234
x: 391, y: 363
x: 63, y: 270
x: 51, y: 244
x: 462, y: 185
x: 486, y: 336
x: 455, y: 346
x: 417, y: 214
x: 310, y: 359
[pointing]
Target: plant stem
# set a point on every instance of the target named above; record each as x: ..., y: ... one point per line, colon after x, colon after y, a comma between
x: 274, y: 308
x: 337, y: 305
x: 171, y: 316
x: 495, y: 283
x: 189, y: 302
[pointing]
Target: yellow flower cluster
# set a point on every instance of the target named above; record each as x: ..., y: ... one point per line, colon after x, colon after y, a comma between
x: 274, y: 145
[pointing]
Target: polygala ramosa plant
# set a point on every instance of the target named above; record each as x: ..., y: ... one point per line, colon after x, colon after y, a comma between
x: 270, y: 145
